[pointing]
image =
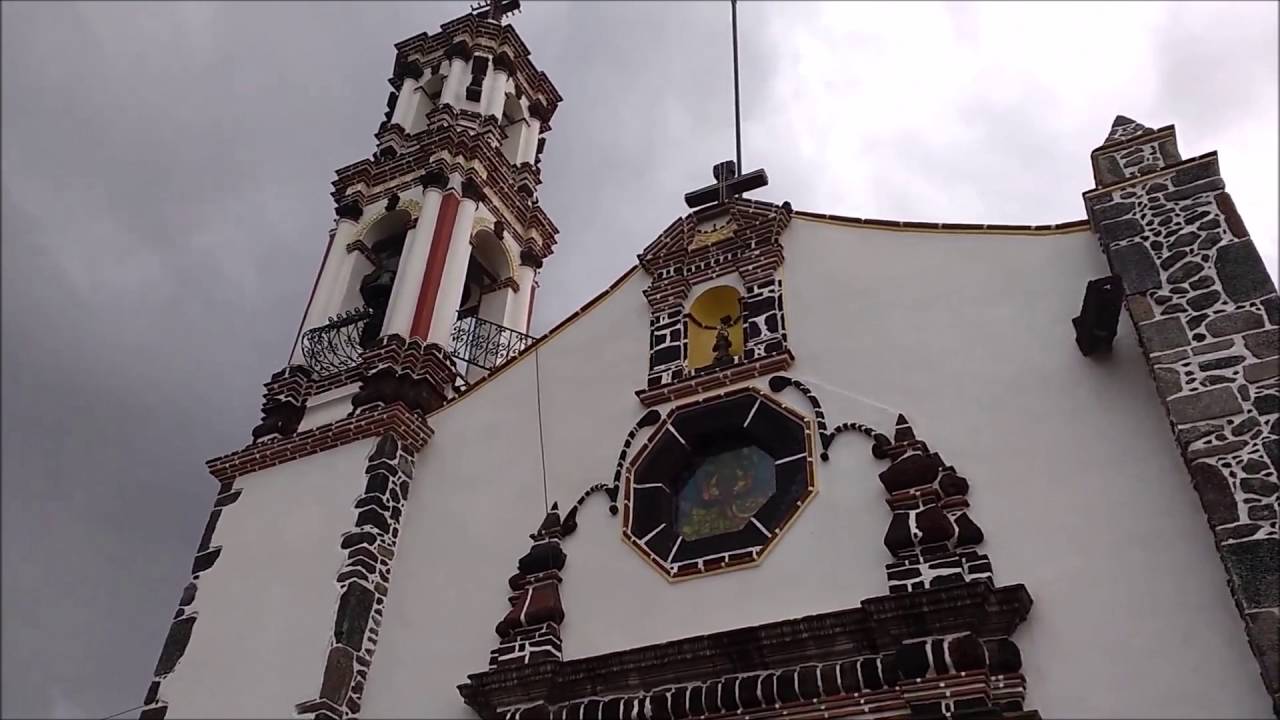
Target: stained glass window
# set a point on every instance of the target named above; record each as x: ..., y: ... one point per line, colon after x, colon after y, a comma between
x: 724, y: 492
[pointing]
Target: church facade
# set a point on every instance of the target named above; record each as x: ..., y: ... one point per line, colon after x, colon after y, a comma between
x: 791, y: 464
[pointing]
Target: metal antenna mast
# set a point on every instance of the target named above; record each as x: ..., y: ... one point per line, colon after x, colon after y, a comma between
x: 737, y: 108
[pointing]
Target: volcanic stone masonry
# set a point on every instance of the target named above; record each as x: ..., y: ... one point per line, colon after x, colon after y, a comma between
x: 1206, y: 314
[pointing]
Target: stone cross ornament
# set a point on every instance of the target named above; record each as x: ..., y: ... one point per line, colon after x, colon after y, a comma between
x: 728, y: 184
x: 495, y: 9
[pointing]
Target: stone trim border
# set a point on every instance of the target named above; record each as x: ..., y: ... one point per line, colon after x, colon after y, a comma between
x: 184, y: 620
x: 944, y: 651
x: 364, y: 579
x: 1207, y: 317
x: 1062, y: 228
x: 267, y: 454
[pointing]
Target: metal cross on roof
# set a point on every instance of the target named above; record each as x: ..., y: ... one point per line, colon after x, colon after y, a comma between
x: 728, y: 184
x: 495, y: 9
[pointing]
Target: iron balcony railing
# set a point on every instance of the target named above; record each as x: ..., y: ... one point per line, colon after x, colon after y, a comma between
x: 335, y: 346
x: 485, y: 345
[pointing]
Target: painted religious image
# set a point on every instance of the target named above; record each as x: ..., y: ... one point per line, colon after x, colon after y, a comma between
x: 724, y: 492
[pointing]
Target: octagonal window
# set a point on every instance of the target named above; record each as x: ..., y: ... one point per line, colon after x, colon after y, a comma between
x: 725, y: 491
x: 717, y: 482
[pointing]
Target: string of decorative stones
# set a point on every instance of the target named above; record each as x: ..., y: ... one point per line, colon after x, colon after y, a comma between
x: 530, y: 631
x: 184, y: 620
x: 649, y: 419
x: 1208, y: 322
x: 363, y: 581
x: 778, y: 383
x: 753, y: 250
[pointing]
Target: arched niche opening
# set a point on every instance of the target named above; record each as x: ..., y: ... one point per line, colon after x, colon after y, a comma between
x: 374, y: 270
x: 513, y: 127
x: 487, y: 290
x: 430, y: 90
x: 713, y: 328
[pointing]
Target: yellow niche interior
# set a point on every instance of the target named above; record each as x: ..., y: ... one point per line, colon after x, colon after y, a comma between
x: 705, y: 314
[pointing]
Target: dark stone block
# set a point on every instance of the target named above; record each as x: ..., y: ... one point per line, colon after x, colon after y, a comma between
x: 339, y: 671
x: 1107, y: 170
x: 1252, y: 565
x: 1272, y: 448
x: 1241, y: 272
x: 1262, y: 512
x: 1185, y: 272
x: 352, y: 618
x: 370, y: 517
x: 1235, y: 223
x: 1112, y: 211
x: 915, y: 470
x: 175, y: 644
x: 665, y: 356
x: 1188, y: 435
x: 1205, y: 405
x: 205, y: 560
x: 1164, y: 334
x: 363, y: 537
x: 227, y: 499
x: 1204, y: 300
x: 1264, y: 343
x: 1194, y: 173
x: 1168, y: 381
x: 1216, y: 498
x: 1264, y: 370
x: 1117, y: 230
x: 1188, y: 191
x: 1209, y: 241
x: 154, y: 713
x: 377, y: 483
x: 153, y: 692
x: 1136, y: 267
x: 188, y: 595
x: 1215, y: 450
x: 1266, y: 403
x: 1244, y: 426
x: 1234, y: 323
x: 1221, y: 363
x: 1261, y: 486
x: 1264, y: 638
x: 209, y: 527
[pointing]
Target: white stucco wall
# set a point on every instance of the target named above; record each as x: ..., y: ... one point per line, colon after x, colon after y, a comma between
x: 1075, y: 479
x: 266, y: 607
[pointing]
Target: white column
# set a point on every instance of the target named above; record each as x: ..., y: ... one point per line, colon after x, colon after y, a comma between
x: 332, y: 279
x: 529, y: 141
x: 401, y: 114
x: 454, y: 275
x: 495, y: 93
x: 455, y: 83
x: 413, y: 264
x: 516, y: 316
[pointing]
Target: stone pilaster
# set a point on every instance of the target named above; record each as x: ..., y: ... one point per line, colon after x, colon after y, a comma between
x: 363, y: 581
x: 1208, y: 320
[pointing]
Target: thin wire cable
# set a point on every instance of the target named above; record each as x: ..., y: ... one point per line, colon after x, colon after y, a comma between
x: 542, y: 447
x: 737, y: 110
x: 136, y: 707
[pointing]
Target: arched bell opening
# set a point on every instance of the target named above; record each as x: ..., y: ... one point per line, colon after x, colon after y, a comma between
x: 713, y: 328
x: 383, y: 244
x: 514, y: 127
x: 481, y: 338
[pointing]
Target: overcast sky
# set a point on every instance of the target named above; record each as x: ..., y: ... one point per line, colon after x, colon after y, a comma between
x: 166, y: 177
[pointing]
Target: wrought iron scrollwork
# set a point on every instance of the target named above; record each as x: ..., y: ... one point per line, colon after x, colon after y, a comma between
x: 485, y: 344
x: 336, y: 345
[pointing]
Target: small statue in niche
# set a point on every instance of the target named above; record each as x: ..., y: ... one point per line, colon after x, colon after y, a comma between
x: 723, y: 346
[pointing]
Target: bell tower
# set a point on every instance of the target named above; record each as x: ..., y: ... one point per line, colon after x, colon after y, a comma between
x: 438, y: 235
x: 427, y: 284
